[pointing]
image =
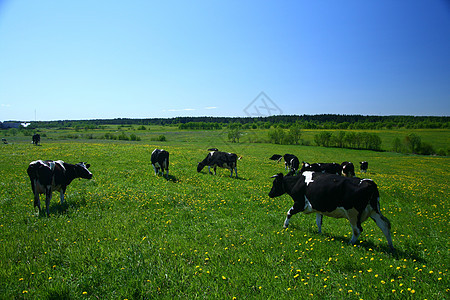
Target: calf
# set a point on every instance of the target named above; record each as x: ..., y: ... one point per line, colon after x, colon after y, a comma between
x: 363, y: 166
x: 334, y: 196
x: 330, y: 168
x: 219, y: 159
x: 48, y: 176
x: 160, y: 160
x: 348, y: 169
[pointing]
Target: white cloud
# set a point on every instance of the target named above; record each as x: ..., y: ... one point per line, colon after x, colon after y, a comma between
x: 5, y: 105
x: 211, y: 107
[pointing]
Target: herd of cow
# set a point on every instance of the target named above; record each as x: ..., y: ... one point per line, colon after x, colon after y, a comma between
x: 326, y: 189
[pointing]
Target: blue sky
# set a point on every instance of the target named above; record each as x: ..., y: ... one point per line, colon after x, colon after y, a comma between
x: 81, y: 59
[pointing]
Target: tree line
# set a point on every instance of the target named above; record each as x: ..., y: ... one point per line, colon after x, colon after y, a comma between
x: 324, y: 121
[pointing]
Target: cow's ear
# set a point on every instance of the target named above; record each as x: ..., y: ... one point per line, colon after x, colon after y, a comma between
x: 279, y: 175
x: 87, y: 166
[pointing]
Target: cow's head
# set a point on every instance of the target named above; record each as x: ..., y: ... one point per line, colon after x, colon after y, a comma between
x: 348, y: 169
x: 81, y: 170
x: 200, y: 166
x: 277, y: 186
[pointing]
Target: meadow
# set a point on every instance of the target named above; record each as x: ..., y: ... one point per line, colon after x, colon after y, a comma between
x: 128, y: 234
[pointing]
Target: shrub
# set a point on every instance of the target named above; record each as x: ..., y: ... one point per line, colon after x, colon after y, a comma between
x: 160, y: 138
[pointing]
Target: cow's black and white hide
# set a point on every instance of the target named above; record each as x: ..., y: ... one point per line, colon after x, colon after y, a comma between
x: 48, y: 176
x: 330, y: 168
x: 213, y: 149
x: 160, y: 161
x: 363, y: 166
x: 219, y: 159
x: 348, y: 169
x: 335, y: 196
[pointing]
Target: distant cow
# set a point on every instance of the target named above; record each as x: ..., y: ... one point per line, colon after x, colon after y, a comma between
x: 4, y: 141
x: 363, y: 166
x: 36, y: 139
x: 219, y: 159
x: 213, y: 149
x: 348, y: 169
x: 160, y: 160
x: 48, y: 176
x: 334, y: 196
x: 330, y: 168
x: 291, y: 162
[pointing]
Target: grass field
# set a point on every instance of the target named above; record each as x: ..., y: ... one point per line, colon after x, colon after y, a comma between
x: 128, y: 234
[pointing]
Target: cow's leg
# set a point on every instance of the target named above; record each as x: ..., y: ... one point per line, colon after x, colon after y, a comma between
x: 37, y: 202
x: 61, y: 194
x: 235, y: 171
x: 319, y: 218
x: 166, y: 164
x: 354, y: 218
x: 292, y: 211
x: 154, y: 168
x: 215, y: 170
x: 48, y: 197
x: 385, y: 226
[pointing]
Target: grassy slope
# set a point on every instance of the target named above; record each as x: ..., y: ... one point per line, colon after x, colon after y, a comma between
x: 130, y: 234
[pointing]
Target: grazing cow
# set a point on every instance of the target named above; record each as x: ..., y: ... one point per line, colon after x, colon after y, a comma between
x: 36, y: 139
x: 48, y: 176
x: 160, y: 160
x: 348, y: 169
x: 335, y: 196
x: 4, y: 141
x: 276, y: 157
x: 291, y: 162
x: 330, y: 168
x: 219, y: 159
x: 364, y: 165
x: 213, y: 149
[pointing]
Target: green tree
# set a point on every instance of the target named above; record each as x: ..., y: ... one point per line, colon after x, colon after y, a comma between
x: 234, y: 135
x: 413, y: 142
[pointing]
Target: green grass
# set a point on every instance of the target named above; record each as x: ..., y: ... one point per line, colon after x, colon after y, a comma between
x: 128, y: 234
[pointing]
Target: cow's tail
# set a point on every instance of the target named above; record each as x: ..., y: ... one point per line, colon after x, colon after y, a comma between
x: 375, y: 202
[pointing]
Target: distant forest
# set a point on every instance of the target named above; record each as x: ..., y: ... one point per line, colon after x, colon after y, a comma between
x: 325, y: 121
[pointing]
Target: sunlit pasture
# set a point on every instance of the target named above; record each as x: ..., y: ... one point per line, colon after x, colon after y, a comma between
x: 128, y: 234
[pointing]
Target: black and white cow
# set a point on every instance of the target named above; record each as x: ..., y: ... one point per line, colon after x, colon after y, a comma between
x: 276, y: 157
x: 335, y: 196
x: 291, y: 162
x: 330, y: 168
x: 348, y: 169
x: 219, y: 159
x: 36, y: 139
x: 363, y: 166
x: 160, y: 160
x: 48, y: 176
